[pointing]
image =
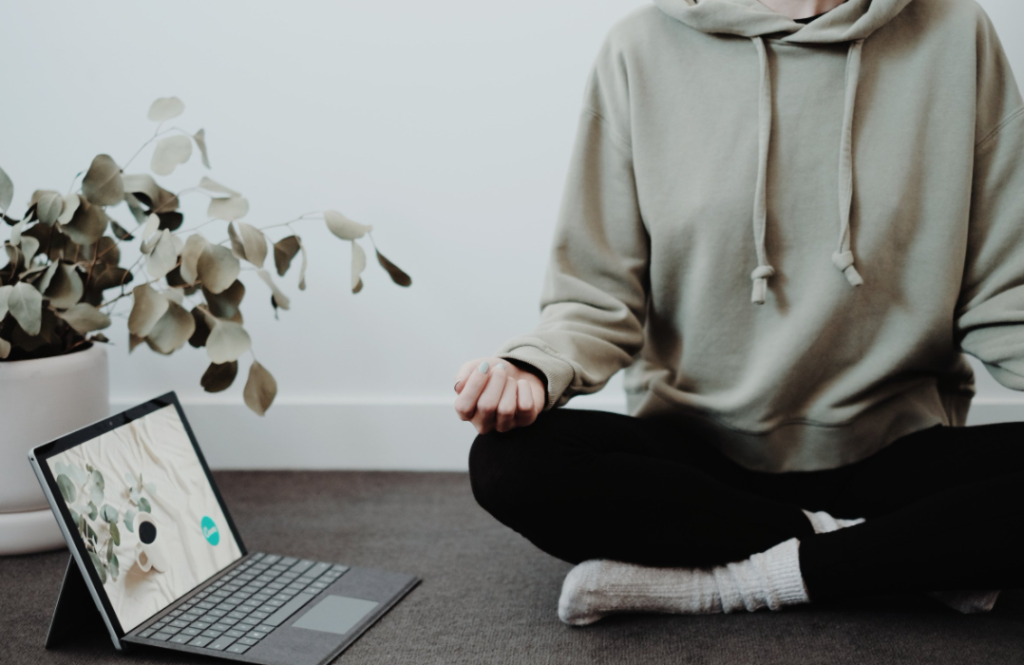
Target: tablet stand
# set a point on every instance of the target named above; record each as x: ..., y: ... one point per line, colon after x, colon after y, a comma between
x: 75, y: 614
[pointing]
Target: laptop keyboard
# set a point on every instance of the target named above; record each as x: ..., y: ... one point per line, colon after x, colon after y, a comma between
x: 244, y: 606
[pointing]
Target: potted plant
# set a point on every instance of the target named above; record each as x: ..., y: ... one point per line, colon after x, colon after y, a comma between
x: 65, y: 279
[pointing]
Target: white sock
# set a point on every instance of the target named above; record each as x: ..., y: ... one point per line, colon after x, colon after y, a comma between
x: 968, y: 602
x: 599, y: 587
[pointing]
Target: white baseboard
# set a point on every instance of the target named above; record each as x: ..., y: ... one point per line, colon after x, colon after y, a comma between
x: 384, y: 434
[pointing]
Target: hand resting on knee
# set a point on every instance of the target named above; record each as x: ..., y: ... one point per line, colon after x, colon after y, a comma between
x: 493, y: 394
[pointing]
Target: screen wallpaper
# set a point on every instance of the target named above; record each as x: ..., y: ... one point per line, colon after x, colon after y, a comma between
x: 146, y: 512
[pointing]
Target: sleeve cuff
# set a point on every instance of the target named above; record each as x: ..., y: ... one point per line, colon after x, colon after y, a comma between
x: 558, y: 373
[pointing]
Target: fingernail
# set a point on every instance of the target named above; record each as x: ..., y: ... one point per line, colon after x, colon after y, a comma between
x: 483, y: 367
x: 457, y: 384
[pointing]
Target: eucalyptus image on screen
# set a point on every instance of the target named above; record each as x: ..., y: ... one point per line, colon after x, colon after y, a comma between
x: 151, y: 524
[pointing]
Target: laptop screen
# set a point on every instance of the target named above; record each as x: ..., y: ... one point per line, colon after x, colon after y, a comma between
x: 150, y: 520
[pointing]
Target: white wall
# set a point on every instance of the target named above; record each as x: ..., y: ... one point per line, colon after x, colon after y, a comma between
x: 445, y: 124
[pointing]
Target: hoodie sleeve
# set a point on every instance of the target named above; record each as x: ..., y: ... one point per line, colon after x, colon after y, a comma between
x: 990, y: 313
x: 593, y: 299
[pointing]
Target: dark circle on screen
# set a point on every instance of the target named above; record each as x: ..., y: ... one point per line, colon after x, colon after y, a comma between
x: 147, y: 532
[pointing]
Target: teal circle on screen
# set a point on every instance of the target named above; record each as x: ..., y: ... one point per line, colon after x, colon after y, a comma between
x: 210, y: 531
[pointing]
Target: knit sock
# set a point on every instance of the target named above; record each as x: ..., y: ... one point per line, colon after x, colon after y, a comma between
x: 599, y: 587
x: 967, y: 602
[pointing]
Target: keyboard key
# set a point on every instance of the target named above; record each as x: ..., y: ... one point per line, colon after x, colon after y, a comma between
x: 248, y: 641
x: 200, y: 641
x: 212, y: 634
x: 302, y: 566
x: 147, y: 632
x: 190, y: 631
x: 289, y: 560
x: 181, y: 639
x: 163, y: 636
x: 202, y: 625
x: 235, y: 633
x: 254, y: 635
x: 220, y: 643
x: 238, y: 648
x: 270, y: 559
x: 236, y: 615
x: 249, y: 621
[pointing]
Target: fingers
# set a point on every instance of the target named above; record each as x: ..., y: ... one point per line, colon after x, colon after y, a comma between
x: 524, y: 406
x: 505, y: 418
x: 464, y: 371
x: 473, y: 386
x: 487, y: 403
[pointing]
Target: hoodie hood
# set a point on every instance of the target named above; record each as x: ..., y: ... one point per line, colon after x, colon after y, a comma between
x: 853, y: 21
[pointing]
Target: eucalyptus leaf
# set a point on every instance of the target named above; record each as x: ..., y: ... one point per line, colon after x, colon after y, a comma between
x: 129, y: 520
x: 120, y: 232
x: 278, y: 298
x: 260, y: 389
x: 217, y: 268
x: 165, y: 108
x: 108, y: 513
x: 70, y: 205
x: 49, y: 205
x: 194, y: 246
x: 229, y: 209
x: 144, y: 506
x: 6, y: 191
x: 227, y: 341
x: 398, y: 276
x: 113, y: 565
x: 29, y: 247
x: 129, y: 478
x: 43, y: 283
x: 218, y: 377
x: 343, y: 227
x: 115, y: 533
x: 211, y: 185
x: 97, y: 479
x: 169, y: 153
x: 225, y: 305
x: 26, y: 306
x: 250, y: 241
x: 93, y: 510
x: 145, y: 192
x: 173, y: 329
x: 285, y: 250
x: 97, y: 564
x: 95, y: 495
x: 202, y: 333
x: 65, y: 287
x: 5, y: 293
x: 87, y: 225
x: 200, y: 139
x: 149, y: 306
x: 84, y: 318
x: 16, y: 232
x: 148, y: 230
x: 164, y: 256
x: 102, y: 184
x: 67, y: 488
x: 358, y: 265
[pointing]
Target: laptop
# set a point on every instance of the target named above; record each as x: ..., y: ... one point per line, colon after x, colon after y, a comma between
x: 155, y: 546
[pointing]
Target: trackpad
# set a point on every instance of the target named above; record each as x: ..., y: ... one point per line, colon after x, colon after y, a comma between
x: 335, y: 614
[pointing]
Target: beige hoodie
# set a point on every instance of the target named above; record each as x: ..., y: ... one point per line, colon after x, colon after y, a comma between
x: 789, y: 233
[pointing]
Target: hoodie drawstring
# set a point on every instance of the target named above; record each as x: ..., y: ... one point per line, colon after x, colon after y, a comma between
x: 842, y: 258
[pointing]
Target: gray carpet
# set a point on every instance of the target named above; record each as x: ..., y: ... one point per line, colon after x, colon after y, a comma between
x: 489, y: 596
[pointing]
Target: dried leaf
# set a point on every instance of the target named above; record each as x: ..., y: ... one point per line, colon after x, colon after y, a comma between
x: 26, y: 306
x: 146, y: 192
x: 200, y: 139
x: 44, y: 280
x: 229, y: 209
x: 169, y: 153
x: 194, y: 246
x: 87, y: 225
x: 217, y: 268
x: 133, y: 341
x: 85, y: 318
x: 358, y: 265
x: 173, y: 329
x: 202, y: 332
x: 102, y: 184
x: 175, y: 295
x: 397, y: 276
x: 29, y: 247
x: 219, y: 377
x: 65, y: 288
x: 211, y: 185
x: 278, y: 298
x: 302, y: 270
x: 260, y: 389
x: 166, y: 108
x: 120, y: 232
x: 149, y: 228
x: 6, y: 191
x: 170, y: 220
x: 227, y: 341
x: 49, y: 205
x: 343, y: 227
x: 16, y: 232
x: 224, y: 305
x: 71, y: 204
x: 163, y: 257
x: 147, y: 309
x: 249, y: 243
x: 285, y: 250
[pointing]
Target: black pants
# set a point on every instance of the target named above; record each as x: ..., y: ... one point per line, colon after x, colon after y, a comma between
x: 944, y: 506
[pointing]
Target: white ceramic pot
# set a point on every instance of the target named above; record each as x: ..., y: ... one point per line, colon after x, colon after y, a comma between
x: 39, y: 401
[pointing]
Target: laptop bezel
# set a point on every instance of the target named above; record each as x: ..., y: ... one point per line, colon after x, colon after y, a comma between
x: 40, y: 454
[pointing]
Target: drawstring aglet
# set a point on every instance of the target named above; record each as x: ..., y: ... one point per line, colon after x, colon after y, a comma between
x: 760, y: 277
x: 844, y: 261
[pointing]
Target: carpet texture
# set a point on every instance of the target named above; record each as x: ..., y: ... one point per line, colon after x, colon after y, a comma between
x: 488, y: 596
